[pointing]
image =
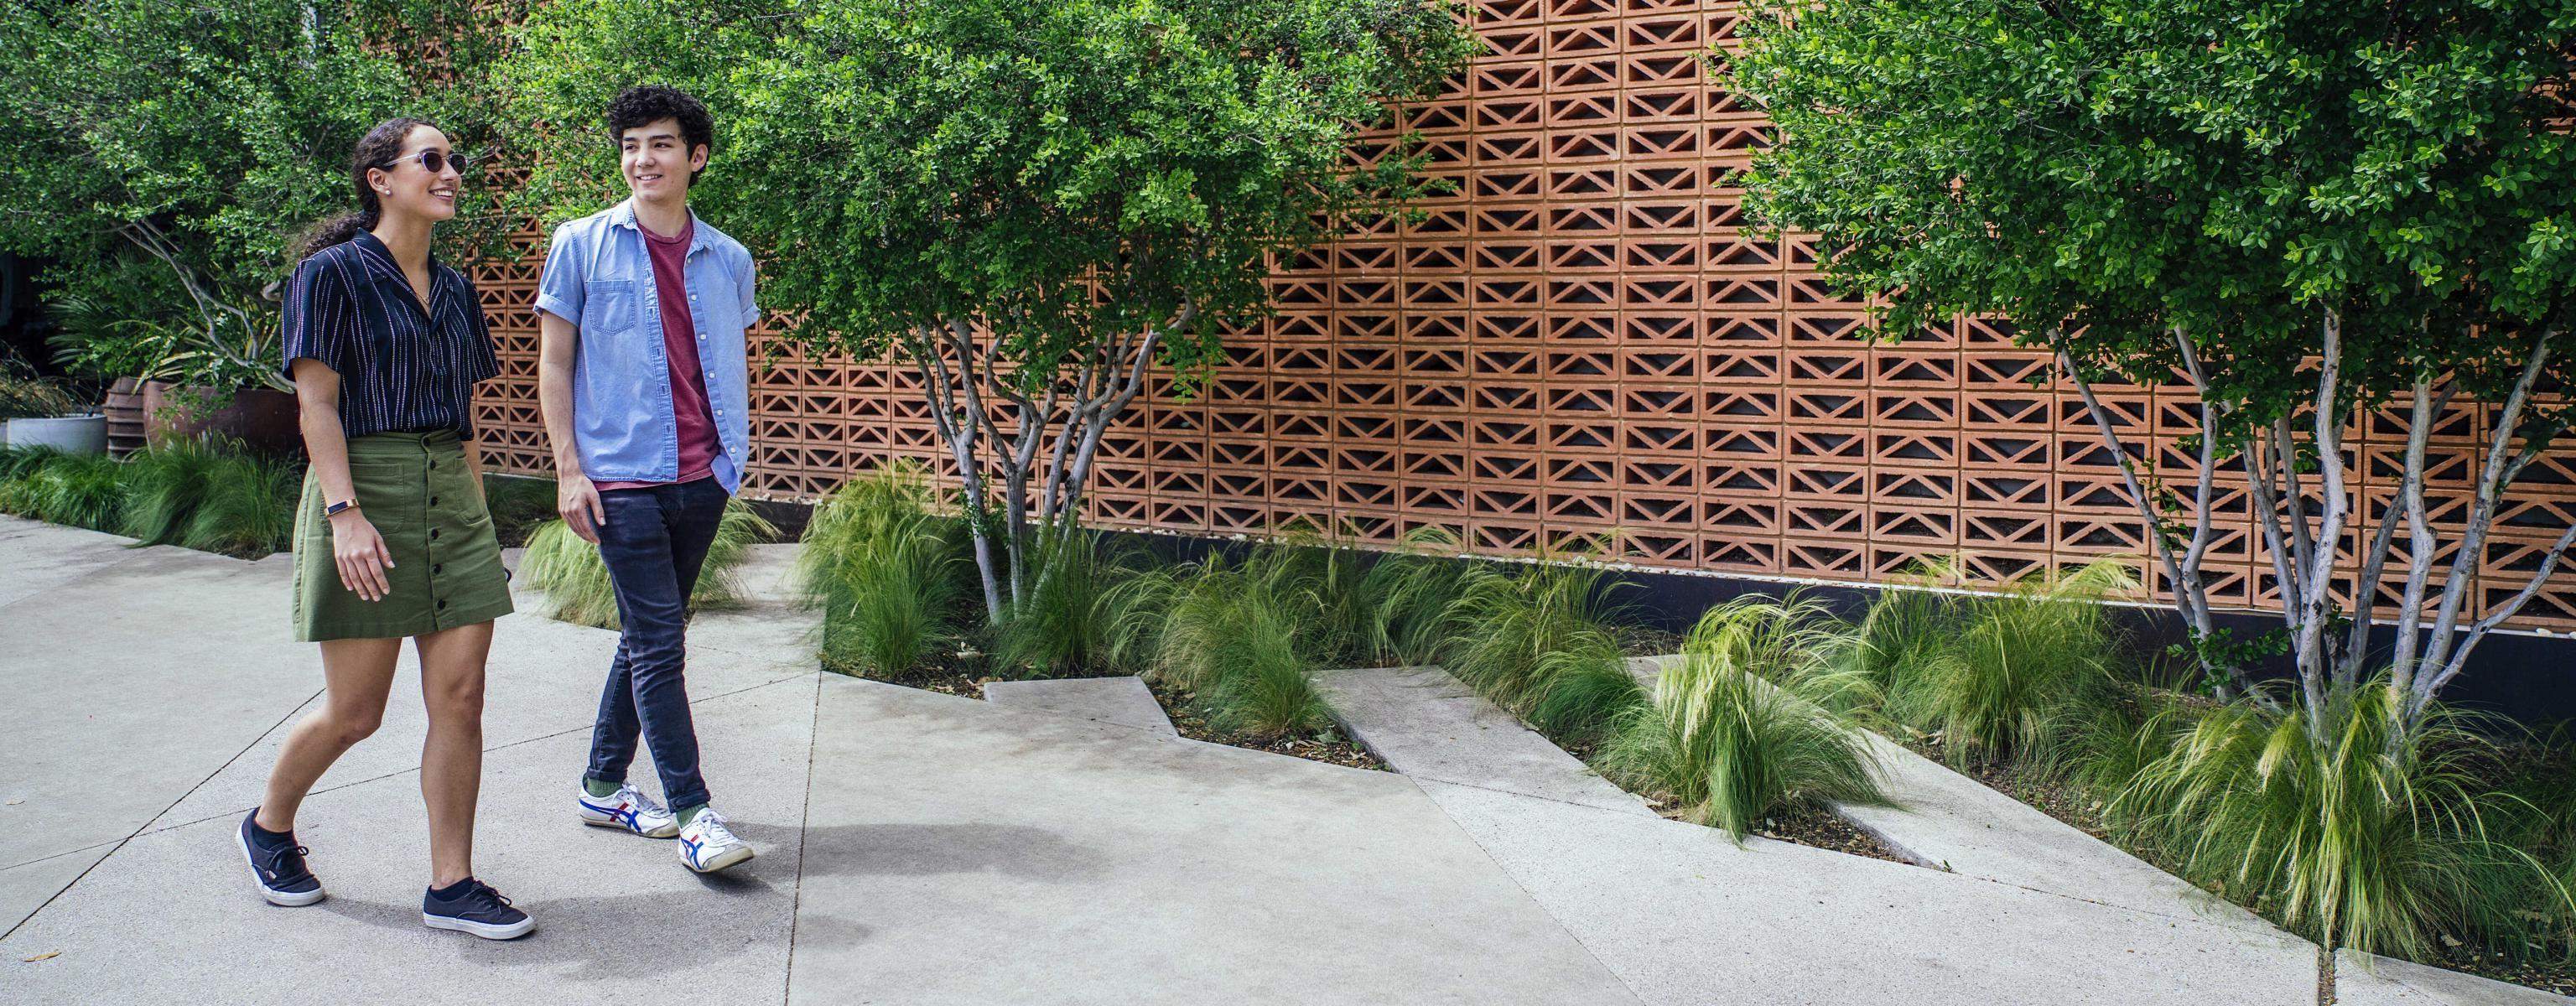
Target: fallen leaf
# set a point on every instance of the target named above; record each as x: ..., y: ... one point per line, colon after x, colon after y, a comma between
x: 45, y: 956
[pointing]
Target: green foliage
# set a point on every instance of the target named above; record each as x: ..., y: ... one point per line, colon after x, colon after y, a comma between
x: 201, y: 137
x: 163, y: 487
x: 1588, y: 696
x: 246, y: 508
x: 885, y: 571
x: 2341, y: 828
x: 1240, y: 636
x: 2232, y: 170
x: 1905, y: 631
x: 19, y: 462
x: 122, y: 314
x: 2019, y: 672
x: 1727, y: 739
x: 1030, y: 203
x: 1406, y: 601
x: 79, y: 490
x: 1065, y: 620
x: 1524, y: 628
x: 210, y: 495
x: 569, y: 572
x: 1066, y: 171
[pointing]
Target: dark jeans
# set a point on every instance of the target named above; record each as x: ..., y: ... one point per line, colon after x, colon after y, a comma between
x: 654, y: 543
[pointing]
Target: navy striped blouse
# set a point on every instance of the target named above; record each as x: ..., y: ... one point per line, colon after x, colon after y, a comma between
x: 401, y: 370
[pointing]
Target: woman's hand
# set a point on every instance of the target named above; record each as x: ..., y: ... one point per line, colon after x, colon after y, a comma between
x: 361, y: 555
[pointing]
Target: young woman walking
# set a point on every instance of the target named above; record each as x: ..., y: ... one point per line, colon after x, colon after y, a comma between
x: 385, y: 345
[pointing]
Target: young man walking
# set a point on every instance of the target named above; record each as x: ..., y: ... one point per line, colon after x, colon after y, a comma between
x: 642, y: 376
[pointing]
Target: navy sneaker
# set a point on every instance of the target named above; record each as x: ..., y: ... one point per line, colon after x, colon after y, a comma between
x: 478, y: 909
x: 277, y: 865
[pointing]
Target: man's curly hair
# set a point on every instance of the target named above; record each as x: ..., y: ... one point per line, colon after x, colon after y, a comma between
x: 649, y: 103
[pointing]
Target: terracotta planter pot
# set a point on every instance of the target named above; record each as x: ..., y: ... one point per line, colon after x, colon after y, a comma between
x: 262, y: 419
x: 124, y: 416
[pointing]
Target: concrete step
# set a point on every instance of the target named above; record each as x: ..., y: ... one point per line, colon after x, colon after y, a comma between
x: 1122, y: 702
x: 1947, y: 821
x: 1428, y: 725
x: 2371, y: 980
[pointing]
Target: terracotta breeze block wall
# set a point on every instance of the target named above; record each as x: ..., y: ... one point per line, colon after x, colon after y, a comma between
x: 1585, y: 348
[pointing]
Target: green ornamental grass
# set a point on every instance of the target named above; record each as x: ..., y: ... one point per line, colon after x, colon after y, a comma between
x: 2021, y: 671
x: 885, y: 571
x: 1063, y: 624
x: 568, y: 570
x: 1238, y: 635
x: 1725, y: 740
x: 2340, y: 827
x: 244, y: 508
x: 1524, y: 627
x: 78, y: 490
x: 163, y: 487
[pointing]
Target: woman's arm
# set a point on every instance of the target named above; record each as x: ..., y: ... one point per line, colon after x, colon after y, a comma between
x: 356, y: 548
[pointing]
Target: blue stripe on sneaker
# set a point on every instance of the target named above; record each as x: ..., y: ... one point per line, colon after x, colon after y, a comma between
x: 621, y: 813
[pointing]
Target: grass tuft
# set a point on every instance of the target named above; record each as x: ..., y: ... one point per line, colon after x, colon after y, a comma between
x: 1726, y: 740
x: 2020, y: 673
x: 886, y: 572
x: 568, y: 570
x: 1526, y: 627
x: 2341, y: 827
x: 244, y: 508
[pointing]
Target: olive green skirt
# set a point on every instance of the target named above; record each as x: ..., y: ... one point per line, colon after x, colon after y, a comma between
x: 415, y: 489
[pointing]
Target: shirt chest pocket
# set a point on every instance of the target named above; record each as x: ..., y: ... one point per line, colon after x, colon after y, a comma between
x: 608, y: 306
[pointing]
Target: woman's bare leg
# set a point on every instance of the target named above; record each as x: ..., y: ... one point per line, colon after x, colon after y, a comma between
x: 357, y: 674
x: 451, y: 759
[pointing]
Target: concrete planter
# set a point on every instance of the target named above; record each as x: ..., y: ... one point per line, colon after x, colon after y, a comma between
x: 83, y: 434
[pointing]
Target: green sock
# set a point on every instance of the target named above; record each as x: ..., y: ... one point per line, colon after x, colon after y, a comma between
x: 595, y: 787
x: 689, y: 813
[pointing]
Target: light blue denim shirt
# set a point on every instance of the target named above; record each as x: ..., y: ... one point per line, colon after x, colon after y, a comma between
x: 599, y: 277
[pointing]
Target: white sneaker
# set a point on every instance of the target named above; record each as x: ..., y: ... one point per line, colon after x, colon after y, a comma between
x: 706, y: 845
x: 628, y: 808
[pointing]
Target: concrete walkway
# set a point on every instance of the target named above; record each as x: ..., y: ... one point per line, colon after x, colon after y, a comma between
x: 917, y: 848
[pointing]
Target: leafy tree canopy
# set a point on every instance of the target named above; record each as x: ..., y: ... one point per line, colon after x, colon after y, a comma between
x: 205, y: 136
x: 1030, y: 204
x: 2233, y: 170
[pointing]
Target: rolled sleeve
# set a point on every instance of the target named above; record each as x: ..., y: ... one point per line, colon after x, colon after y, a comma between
x: 317, y: 319
x: 559, y: 284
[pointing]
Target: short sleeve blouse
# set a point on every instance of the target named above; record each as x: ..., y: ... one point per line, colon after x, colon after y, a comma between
x: 402, y: 369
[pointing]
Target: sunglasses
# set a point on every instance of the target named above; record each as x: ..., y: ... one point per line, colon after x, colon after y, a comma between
x: 435, y: 162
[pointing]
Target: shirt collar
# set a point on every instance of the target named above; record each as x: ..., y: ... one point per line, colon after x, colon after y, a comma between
x: 380, y: 261
x: 623, y: 215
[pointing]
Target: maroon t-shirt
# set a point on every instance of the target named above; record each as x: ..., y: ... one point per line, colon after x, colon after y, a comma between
x: 689, y: 409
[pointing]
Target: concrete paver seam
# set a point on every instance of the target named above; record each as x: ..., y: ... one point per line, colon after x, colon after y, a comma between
x: 1452, y: 817
x: 804, y: 821
x: 147, y: 822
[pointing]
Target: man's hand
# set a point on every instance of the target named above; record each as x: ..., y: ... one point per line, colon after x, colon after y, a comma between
x: 578, y: 501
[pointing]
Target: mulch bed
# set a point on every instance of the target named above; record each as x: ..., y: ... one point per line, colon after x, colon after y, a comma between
x: 1324, y: 746
x: 1810, y: 826
x: 947, y: 674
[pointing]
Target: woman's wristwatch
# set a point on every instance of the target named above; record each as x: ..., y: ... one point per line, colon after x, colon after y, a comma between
x: 334, y: 509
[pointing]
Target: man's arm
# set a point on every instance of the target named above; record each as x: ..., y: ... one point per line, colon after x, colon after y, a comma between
x: 575, y: 498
